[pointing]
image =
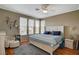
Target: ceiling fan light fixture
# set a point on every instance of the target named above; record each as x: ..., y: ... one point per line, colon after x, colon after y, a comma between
x: 44, y: 11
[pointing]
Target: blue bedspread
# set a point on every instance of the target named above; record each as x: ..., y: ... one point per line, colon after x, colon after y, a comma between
x: 47, y: 39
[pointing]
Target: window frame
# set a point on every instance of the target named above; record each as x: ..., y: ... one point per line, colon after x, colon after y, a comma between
x: 34, y: 28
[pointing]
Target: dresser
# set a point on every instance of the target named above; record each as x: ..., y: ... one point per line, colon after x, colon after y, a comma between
x: 2, y: 42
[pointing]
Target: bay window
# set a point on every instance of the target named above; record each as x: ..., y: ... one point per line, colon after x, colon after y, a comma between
x: 36, y: 26
x: 30, y: 26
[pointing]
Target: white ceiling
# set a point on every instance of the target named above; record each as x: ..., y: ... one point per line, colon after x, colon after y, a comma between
x: 29, y: 9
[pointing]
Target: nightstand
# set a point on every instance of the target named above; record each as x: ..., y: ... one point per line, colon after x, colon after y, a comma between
x: 69, y: 43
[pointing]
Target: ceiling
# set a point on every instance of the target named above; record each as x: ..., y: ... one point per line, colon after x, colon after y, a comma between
x: 30, y: 9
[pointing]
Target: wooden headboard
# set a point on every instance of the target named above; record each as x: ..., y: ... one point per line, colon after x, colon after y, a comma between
x: 55, y: 28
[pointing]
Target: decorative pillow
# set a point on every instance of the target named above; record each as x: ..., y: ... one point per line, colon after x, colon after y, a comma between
x: 56, y: 33
x: 47, y: 32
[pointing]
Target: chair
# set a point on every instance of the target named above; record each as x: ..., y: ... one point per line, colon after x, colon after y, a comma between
x: 11, y: 42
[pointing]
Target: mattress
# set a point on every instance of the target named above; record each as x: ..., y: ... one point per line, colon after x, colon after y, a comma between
x: 46, y: 39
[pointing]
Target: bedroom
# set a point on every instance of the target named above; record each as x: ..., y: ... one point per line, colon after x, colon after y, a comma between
x: 21, y: 24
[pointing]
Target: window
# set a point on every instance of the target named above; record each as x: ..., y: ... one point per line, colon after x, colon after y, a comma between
x: 36, y: 26
x: 42, y: 26
x: 31, y: 26
x: 23, y: 26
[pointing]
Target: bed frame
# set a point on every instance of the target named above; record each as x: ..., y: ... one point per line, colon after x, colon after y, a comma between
x: 45, y: 47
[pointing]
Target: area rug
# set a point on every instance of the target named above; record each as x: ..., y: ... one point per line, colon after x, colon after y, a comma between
x: 29, y: 49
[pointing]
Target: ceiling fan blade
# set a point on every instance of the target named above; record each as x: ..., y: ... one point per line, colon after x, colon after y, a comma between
x: 44, y: 6
x: 37, y: 9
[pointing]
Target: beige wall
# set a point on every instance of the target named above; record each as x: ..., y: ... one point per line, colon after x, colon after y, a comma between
x: 69, y: 20
x: 4, y: 26
x: 13, y: 16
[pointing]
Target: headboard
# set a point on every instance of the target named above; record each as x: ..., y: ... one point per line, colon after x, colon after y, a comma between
x: 55, y: 28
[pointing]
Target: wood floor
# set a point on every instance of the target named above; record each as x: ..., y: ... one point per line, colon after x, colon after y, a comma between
x: 59, y: 51
x: 66, y: 51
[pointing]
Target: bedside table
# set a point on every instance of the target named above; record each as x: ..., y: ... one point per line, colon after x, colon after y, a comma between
x: 69, y: 43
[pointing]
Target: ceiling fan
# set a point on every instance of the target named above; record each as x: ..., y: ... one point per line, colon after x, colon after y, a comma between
x: 45, y: 8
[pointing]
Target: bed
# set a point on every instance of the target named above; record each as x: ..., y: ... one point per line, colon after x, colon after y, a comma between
x: 48, y: 43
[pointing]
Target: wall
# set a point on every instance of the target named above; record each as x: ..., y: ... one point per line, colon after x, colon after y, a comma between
x: 12, y: 16
x: 69, y: 20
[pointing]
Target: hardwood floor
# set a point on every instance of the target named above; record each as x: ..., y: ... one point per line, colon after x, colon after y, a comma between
x: 24, y: 41
x: 59, y: 51
x: 9, y: 51
x: 66, y: 51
